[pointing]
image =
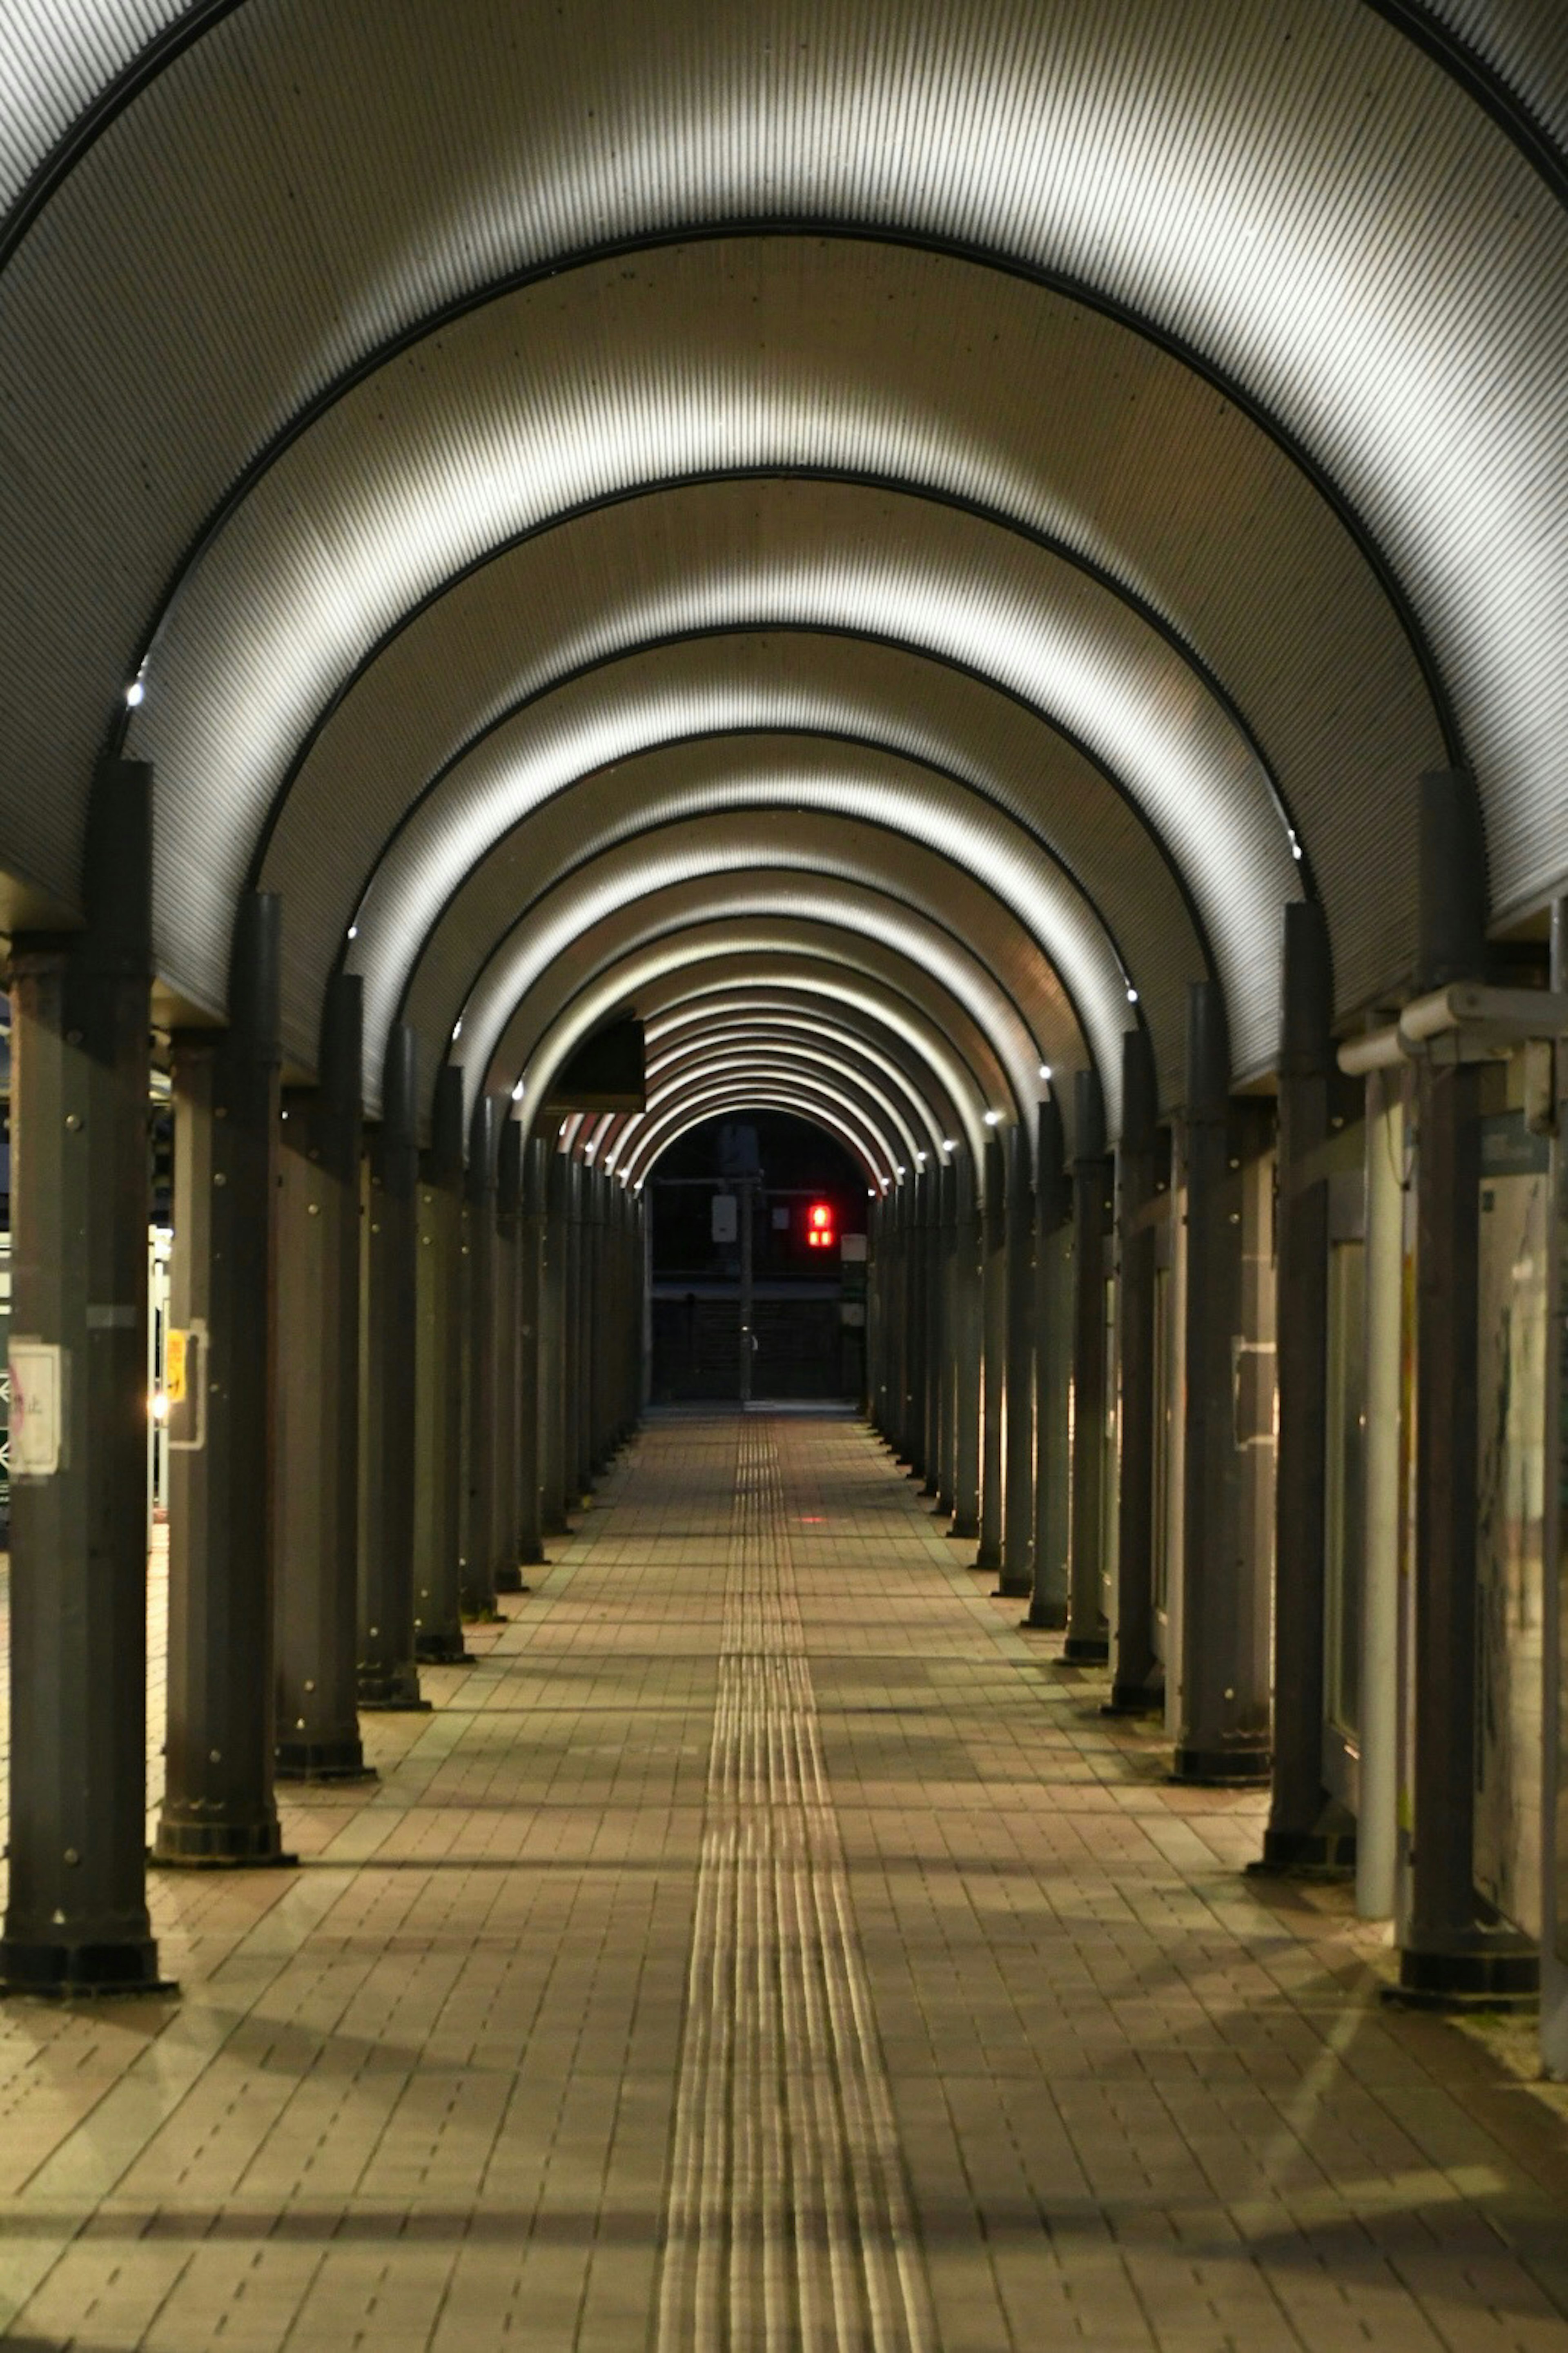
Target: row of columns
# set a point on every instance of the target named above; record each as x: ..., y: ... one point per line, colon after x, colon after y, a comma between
x: 403, y: 1366
x: 1131, y: 1350
x: 1012, y: 1368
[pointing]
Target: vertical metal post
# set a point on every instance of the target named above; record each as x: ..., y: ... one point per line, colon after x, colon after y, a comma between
x: 1448, y: 1958
x: 1136, y: 1683
x: 993, y: 1309
x: 1377, y: 1835
x: 747, y: 1337
x: 932, y: 1335
x: 1224, y: 1730
x: 553, y: 1346
x: 439, y: 1382
x: 968, y: 1345
x: 946, y: 1373
x: 531, y: 1370
x: 218, y: 1805
x: 505, y: 1465
x: 1087, y: 1640
x: 1555, y: 1691
x: 913, y: 1199
x: 76, y: 1920
x: 1018, y: 1510
x: 1307, y: 1829
x: 318, y: 1406
x: 388, y: 1675
x: 477, y: 1544
x: 1053, y: 1278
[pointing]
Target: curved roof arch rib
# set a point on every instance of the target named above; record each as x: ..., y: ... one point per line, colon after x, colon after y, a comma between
x: 725, y: 1058
x: 832, y: 869
x: 887, y: 823
x: 978, y: 755
x: 686, y: 1006
x: 1328, y: 227
x: 726, y: 1072
x: 884, y: 1076
x: 835, y: 1118
x: 680, y: 944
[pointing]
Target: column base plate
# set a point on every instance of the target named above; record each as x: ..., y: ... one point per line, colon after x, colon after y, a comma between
x: 49, y: 1972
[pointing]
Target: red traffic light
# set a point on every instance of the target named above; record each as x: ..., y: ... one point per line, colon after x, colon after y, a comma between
x: 819, y: 1234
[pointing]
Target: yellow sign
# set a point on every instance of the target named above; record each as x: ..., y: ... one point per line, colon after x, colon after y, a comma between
x: 174, y: 1346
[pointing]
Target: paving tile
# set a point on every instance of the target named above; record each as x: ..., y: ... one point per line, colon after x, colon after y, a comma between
x: 764, y: 1942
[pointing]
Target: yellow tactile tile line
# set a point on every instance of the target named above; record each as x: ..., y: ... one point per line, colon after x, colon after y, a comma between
x: 789, y: 2220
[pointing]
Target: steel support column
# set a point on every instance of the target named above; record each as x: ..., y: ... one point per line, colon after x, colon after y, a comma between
x: 946, y: 1375
x: 1018, y: 1502
x: 1224, y: 1730
x: 1087, y: 1640
x: 316, y: 1406
x: 388, y: 1674
x: 1136, y: 1686
x: 932, y: 1346
x: 1308, y: 1829
x: 993, y: 1309
x: 553, y: 1305
x: 477, y: 1548
x: 76, y: 1920
x: 504, y: 1508
x: 969, y: 1340
x: 218, y: 1805
x: 1052, y: 1322
x: 439, y: 1382
x: 531, y: 1366
x: 1449, y: 1957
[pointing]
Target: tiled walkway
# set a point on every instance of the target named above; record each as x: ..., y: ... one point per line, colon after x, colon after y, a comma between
x: 764, y: 1945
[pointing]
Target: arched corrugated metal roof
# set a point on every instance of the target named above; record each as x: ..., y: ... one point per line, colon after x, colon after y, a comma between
x: 838, y: 1119
x: 682, y: 1005
x: 672, y: 1053
x: 728, y: 1072
x: 670, y: 948
x: 766, y: 1058
x: 800, y: 681
x: 690, y: 807
x: 875, y: 885
x: 1312, y: 219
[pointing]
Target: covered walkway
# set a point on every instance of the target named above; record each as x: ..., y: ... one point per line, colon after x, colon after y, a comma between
x: 763, y: 1942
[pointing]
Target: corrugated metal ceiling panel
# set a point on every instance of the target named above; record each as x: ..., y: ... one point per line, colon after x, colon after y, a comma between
x: 670, y: 1014
x: 1289, y: 187
x: 794, y: 796
x: 759, y: 356
x: 57, y: 59
x: 1525, y: 42
x: 641, y: 961
x: 881, y: 888
x: 838, y: 554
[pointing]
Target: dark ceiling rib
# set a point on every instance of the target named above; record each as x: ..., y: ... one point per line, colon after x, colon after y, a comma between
x: 820, y: 736
x: 1054, y: 281
x: 111, y: 101
x: 885, y: 486
x: 872, y: 825
x: 883, y: 987
x: 1482, y: 83
x: 783, y: 629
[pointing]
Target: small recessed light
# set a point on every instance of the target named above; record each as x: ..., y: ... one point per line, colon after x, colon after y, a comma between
x: 517, y: 1091
x: 457, y: 1026
x: 134, y: 693
x: 1132, y: 996
x: 950, y: 1143
x: 920, y: 1155
x: 1045, y: 1070
x: 992, y: 1119
x: 353, y: 931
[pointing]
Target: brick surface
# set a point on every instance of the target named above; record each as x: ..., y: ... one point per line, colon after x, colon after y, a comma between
x: 765, y: 1943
